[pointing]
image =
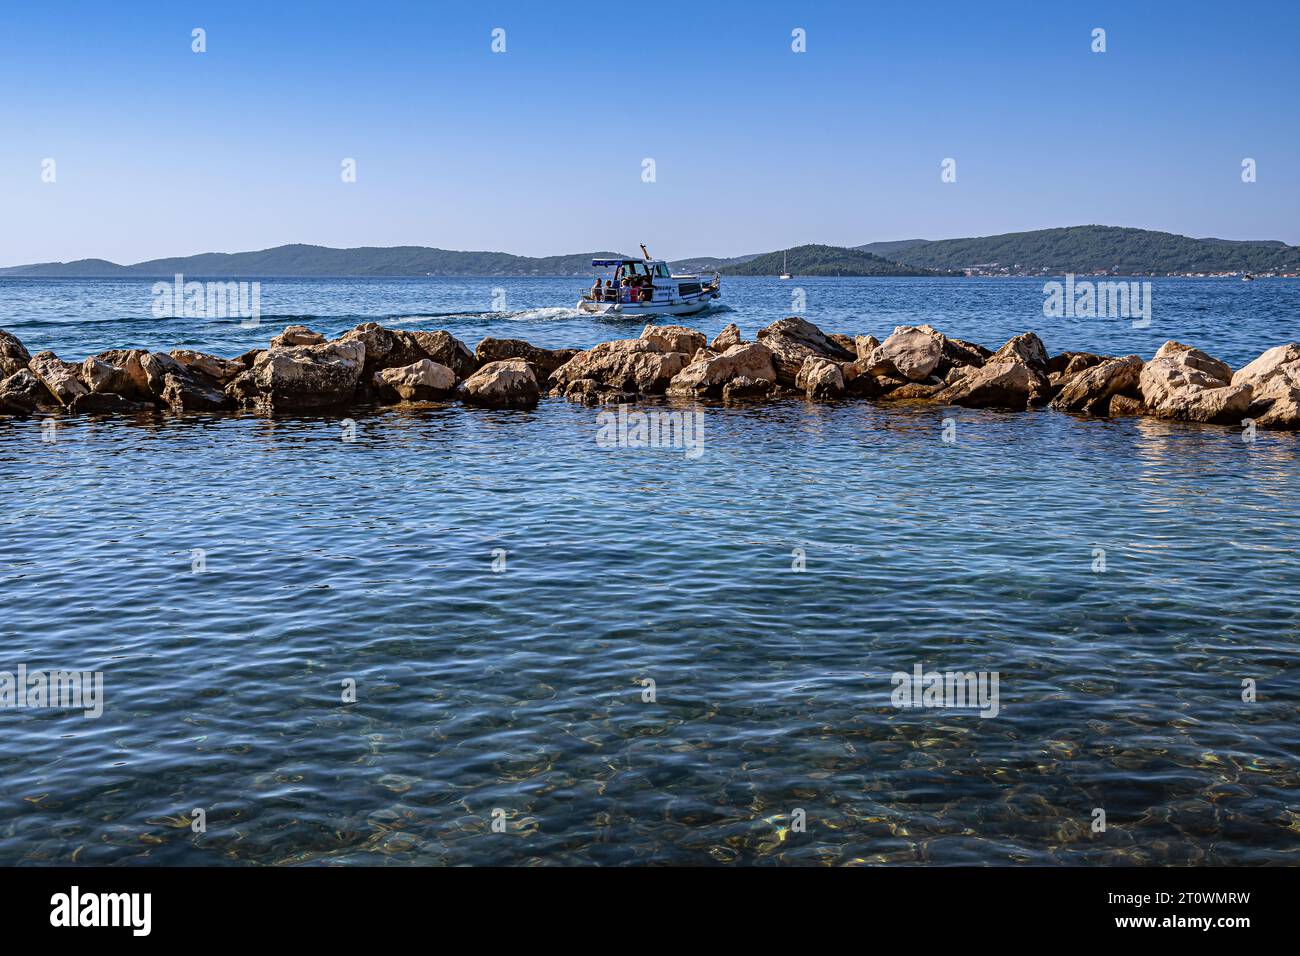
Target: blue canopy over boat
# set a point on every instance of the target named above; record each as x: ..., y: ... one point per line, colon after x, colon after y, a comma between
x: 604, y: 263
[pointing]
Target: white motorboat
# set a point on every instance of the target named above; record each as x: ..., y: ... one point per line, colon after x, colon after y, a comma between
x: 647, y: 287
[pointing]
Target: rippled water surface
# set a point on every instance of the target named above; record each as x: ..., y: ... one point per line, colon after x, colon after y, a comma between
x: 520, y: 689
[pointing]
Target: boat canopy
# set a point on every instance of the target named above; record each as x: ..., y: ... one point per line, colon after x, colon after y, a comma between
x: 606, y: 263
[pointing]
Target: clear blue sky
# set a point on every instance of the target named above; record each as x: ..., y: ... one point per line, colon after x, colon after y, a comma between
x: 161, y: 151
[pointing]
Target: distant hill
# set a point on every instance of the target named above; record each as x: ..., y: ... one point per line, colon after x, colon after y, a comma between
x: 302, y: 260
x: 1079, y: 249
x: 1095, y: 249
x: 817, y: 260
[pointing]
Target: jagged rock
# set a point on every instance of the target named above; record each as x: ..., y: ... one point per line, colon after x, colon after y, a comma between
x: 543, y: 361
x: 445, y: 349
x: 750, y: 360
x: 725, y: 339
x: 1193, y: 358
x: 136, y: 382
x: 296, y: 335
x: 863, y: 345
x: 959, y: 353
x: 631, y: 365
x: 107, y: 403
x: 743, y: 388
x: 820, y: 378
x: 863, y: 384
x: 1274, y: 379
x: 190, y: 393
x: 1283, y: 412
x: 301, y: 377
x: 1126, y: 406
x: 912, y: 391
x: 58, y: 376
x: 1184, y: 383
x: 590, y: 392
x: 422, y: 381
x: 1091, y: 390
x: 248, y: 358
x: 914, y: 352
x: 14, y: 356
x: 791, y: 340
x: 156, y: 367
x: 509, y: 383
x: 1061, y: 368
x: 1280, y: 364
x: 846, y: 342
x: 994, y: 385
x: 22, y: 392
x: 103, y: 378
x: 675, y: 338
x: 1026, y: 348
x: 219, y: 371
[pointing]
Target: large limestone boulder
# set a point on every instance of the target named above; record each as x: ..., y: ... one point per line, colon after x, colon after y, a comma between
x: 397, y: 348
x: 422, y: 381
x: 188, y: 392
x: 506, y: 384
x: 958, y: 353
x: 863, y: 345
x: 1278, y: 368
x: 725, y: 339
x: 296, y: 335
x: 913, y: 352
x: 156, y: 367
x: 675, y: 338
x: 543, y: 361
x: 445, y: 349
x: 820, y: 378
x: 791, y: 340
x: 217, y: 370
x: 301, y: 377
x: 13, y: 354
x: 1184, y: 383
x: 22, y: 392
x: 104, y: 378
x: 994, y: 385
x: 120, y: 371
x: 751, y: 360
x: 60, y: 377
x: 1274, y: 380
x: 1027, y: 349
x: 1091, y: 390
x: 631, y: 365
x: 745, y: 389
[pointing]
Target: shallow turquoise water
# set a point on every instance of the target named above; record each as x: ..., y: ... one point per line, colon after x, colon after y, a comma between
x: 520, y: 690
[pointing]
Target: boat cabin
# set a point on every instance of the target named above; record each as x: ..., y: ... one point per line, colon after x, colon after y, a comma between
x: 636, y: 280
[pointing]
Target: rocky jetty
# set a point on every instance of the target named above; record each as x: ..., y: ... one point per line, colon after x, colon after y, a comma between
x: 302, y: 370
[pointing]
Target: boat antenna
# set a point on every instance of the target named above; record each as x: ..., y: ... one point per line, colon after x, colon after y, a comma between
x: 644, y: 252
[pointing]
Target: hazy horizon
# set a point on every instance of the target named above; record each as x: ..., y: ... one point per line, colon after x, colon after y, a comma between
x: 163, y: 152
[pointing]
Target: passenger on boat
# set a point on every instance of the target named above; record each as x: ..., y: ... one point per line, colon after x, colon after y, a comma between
x: 595, y: 290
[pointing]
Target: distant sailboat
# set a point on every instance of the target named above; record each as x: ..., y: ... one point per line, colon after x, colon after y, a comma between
x: 784, y: 273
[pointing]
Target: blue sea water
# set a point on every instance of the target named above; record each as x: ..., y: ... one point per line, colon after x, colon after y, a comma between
x: 500, y: 587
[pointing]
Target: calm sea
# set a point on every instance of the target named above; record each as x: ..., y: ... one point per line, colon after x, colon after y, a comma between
x: 500, y: 590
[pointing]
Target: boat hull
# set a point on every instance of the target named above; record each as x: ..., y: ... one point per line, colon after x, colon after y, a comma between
x: 685, y: 307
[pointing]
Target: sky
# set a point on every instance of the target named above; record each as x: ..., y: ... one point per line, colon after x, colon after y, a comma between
x: 541, y: 149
